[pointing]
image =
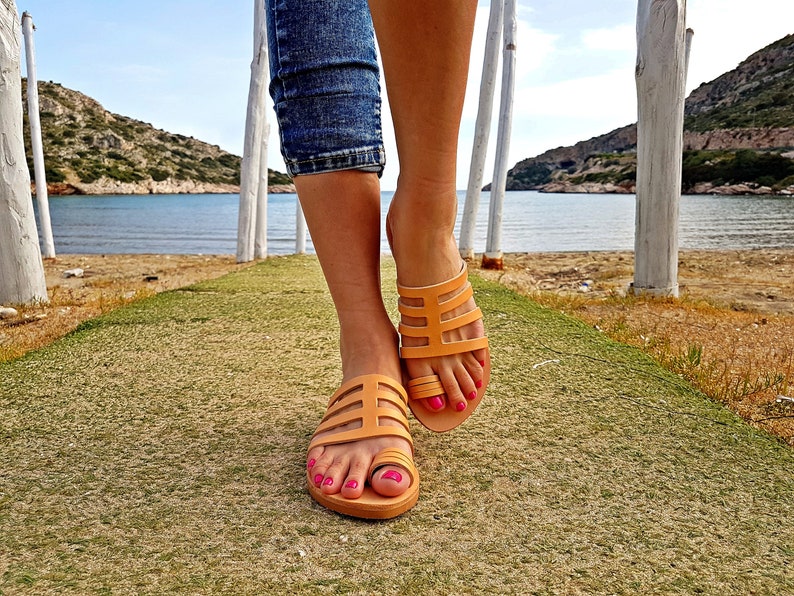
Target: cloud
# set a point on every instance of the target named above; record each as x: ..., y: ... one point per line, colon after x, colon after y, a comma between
x: 602, y: 96
x: 535, y: 50
x: 622, y: 38
x: 727, y: 32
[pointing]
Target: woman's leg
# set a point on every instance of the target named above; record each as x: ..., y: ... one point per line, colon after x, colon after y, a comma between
x: 343, y: 215
x: 425, y: 48
x: 326, y: 94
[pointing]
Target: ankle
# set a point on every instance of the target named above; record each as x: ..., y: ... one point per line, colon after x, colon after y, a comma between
x: 424, y: 205
x: 373, y: 349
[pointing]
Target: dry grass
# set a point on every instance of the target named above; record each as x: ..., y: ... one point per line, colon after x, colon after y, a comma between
x: 109, y: 281
x: 731, y: 334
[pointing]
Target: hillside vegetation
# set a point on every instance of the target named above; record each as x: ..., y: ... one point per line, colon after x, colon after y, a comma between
x: 738, y: 139
x: 88, y: 150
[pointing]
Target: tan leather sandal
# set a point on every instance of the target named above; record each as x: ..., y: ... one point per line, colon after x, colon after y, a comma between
x: 363, y: 399
x: 437, y: 302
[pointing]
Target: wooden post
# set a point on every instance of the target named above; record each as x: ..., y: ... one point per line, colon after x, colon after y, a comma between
x: 253, y: 143
x: 492, y: 259
x: 260, y: 242
x: 481, y: 130
x: 260, y: 233
x: 21, y: 270
x: 660, y: 74
x: 48, y: 245
x: 300, y: 230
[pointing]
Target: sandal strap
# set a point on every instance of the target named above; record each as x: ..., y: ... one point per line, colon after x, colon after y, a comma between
x: 362, y: 400
x: 432, y: 310
x: 424, y: 387
x: 393, y: 457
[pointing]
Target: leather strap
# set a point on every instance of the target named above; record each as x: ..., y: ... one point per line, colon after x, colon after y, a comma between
x: 393, y: 457
x: 363, y: 400
x: 432, y: 310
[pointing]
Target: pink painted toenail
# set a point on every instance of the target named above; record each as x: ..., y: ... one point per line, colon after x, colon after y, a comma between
x: 436, y: 402
x: 460, y: 406
x: 482, y: 362
x: 478, y: 384
x: 311, y: 463
x: 473, y: 395
x: 352, y: 484
x: 329, y: 482
x: 318, y: 479
x: 392, y: 475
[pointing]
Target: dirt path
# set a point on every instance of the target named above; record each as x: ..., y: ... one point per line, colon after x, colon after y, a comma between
x: 730, y: 334
x: 161, y: 449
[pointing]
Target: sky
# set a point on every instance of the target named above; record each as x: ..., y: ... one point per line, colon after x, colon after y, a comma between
x: 184, y: 65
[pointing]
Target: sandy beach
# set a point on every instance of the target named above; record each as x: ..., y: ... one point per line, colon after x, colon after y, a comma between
x: 733, y: 320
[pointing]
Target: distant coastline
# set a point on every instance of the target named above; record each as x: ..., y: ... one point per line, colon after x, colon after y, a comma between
x: 703, y: 188
x: 150, y: 187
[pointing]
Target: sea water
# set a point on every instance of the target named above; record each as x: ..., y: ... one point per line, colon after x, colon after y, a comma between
x: 532, y: 222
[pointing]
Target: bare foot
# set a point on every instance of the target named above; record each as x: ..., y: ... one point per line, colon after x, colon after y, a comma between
x: 342, y: 469
x: 426, y: 254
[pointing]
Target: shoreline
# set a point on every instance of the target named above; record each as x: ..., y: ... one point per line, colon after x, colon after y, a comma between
x: 62, y: 189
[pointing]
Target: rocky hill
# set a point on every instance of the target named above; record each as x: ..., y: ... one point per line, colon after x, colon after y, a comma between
x: 88, y: 150
x: 738, y: 139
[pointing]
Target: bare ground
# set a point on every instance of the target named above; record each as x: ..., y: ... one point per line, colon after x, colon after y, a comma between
x: 730, y: 333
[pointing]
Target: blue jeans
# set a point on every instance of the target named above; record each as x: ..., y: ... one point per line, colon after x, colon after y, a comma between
x: 325, y: 85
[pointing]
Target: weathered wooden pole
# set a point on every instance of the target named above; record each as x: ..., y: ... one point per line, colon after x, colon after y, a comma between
x: 660, y: 75
x: 690, y: 33
x: 253, y: 143
x: 21, y: 270
x: 260, y: 233
x: 260, y: 242
x: 300, y: 230
x: 492, y: 259
x: 48, y: 245
x: 482, y: 129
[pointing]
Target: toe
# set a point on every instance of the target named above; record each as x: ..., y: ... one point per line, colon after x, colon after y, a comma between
x: 313, y: 457
x: 390, y: 481
x: 465, y: 382
x: 354, y: 482
x: 334, y: 477
x: 435, y: 403
x: 455, y: 397
x: 480, y: 356
x: 474, y: 366
x: 318, y: 462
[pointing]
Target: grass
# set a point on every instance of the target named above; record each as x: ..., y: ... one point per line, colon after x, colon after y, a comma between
x: 743, y: 360
x: 160, y: 449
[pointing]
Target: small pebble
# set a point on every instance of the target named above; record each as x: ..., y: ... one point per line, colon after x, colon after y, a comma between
x: 7, y: 312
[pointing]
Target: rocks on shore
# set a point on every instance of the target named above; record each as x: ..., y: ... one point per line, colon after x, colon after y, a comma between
x: 703, y: 188
x: 106, y: 186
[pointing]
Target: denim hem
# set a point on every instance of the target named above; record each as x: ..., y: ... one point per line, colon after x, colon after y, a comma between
x: 369, y: 160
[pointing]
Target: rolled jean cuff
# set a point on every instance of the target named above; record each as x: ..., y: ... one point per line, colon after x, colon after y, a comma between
x: 368, y: 161
x: 332, y: 124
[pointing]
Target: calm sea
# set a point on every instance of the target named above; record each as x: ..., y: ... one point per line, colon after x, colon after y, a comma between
x: 533, y: 222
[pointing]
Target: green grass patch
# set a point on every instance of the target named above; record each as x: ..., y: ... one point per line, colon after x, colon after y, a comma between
x: 160, y: 449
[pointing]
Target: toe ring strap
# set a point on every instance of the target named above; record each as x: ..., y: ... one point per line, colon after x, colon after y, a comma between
x: 424, y: 387
x: 393, y: 457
